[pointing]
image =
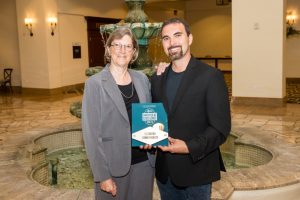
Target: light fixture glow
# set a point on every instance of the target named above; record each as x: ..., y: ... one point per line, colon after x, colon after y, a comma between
x: 28, y: 24
x: 53, y: 22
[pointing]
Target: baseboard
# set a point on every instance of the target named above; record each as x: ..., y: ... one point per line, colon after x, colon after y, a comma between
x: 293, y: 80
x: 257, y: 101
x: 226, y: 71
x: 61, y: 90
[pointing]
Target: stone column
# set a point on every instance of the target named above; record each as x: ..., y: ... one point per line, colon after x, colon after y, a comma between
x: 39, y: 53
x: 258, y: 48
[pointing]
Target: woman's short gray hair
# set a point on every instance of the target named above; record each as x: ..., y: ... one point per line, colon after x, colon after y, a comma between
x: 118, y: 33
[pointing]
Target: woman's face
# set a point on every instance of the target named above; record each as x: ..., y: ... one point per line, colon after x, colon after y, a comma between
x: 121, y: 51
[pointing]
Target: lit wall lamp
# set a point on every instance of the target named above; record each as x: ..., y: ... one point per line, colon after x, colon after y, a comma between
x: 290, y: 22
x: 290, y: 19
x: 53, y: 22
x: 28, y: 24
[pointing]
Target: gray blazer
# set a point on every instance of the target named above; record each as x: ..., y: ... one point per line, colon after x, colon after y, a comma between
x: 105, y: 124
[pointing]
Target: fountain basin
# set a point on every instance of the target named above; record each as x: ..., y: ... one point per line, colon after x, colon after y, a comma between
x: 65, y: 149
x: 280, y: 176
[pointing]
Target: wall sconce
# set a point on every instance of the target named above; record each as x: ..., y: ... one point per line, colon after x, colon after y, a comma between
x: 290, y: 19
x: 28, y: 24
x: 53, y: 22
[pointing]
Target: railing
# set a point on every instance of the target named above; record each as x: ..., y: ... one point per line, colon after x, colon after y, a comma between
x: 216, y: 59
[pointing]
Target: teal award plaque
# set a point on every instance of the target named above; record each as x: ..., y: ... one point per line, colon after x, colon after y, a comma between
x: 149, y: 124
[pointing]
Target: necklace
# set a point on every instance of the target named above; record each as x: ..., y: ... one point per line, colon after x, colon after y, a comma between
x: 132, y: 91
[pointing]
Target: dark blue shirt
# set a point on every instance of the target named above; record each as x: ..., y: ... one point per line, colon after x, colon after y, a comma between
x: 173, y: 82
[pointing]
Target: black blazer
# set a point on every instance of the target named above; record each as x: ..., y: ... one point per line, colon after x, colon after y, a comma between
x: 200, y: 116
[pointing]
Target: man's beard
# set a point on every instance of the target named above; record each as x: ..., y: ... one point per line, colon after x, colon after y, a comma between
x: 175, y: 55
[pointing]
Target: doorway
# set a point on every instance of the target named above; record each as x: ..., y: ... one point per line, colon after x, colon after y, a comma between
x: 95, y: 44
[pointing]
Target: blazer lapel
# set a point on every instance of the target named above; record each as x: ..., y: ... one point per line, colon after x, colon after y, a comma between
x: 139, y: 86
x: 163, y: 85
x: 113, y: 91
x: 187, y: 80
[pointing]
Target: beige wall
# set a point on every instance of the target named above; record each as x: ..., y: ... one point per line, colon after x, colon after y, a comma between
x: 258, y: 48
x: 158, y: 12
x: 46, y: 60
x: 33, y: 50
x: 96, y: 8
x: 9, y: 51
x: 73, y: 31
x: 293, y: 43
x: 211, y: 27
x: 52, y: 46
x: 39, y: 55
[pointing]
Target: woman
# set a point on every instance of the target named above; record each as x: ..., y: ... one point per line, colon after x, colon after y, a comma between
x: 119, y: 171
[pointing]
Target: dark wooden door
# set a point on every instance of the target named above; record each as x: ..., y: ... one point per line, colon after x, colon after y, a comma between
x: 95, y: 41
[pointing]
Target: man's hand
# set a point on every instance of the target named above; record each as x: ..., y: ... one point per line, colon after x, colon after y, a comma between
x: 146, y: 147
x: 161, y: 67
x: 109, y: 186
x: 175, y: 146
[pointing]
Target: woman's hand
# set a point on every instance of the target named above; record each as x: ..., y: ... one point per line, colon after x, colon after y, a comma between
x: 109, y: 186
x: 161, y: 67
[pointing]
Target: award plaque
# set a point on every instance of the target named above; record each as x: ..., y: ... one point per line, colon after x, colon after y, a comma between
x: 149, y: 124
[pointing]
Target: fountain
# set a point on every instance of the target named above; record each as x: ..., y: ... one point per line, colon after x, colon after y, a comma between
x: 137, y: 20
x: 61, y: 159
x: 143, y: 30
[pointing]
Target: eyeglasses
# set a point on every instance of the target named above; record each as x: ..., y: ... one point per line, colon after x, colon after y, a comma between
x: 118, y: 47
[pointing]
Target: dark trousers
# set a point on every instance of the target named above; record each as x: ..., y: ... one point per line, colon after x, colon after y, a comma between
x: 169, y: 191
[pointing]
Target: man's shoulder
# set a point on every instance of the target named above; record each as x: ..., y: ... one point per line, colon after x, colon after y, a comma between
x: 205, y: 69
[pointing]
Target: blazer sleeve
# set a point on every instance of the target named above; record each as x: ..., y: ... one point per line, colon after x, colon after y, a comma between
x: 219, y: 119
x: 91, y: 115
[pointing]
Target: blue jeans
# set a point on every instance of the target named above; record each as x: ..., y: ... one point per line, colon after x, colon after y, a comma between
x: 169, y: 191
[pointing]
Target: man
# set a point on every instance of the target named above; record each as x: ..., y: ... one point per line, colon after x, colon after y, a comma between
x: 196, y: 100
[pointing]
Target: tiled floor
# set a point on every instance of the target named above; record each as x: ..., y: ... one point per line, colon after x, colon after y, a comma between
x: 22, y: 116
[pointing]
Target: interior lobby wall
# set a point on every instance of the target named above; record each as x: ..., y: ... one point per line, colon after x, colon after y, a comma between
x: 293, y: 43
x: 95, y: 8
x: 9, y: 51
x: 52, y: 46
x: 72, y: 12
x: 33, y: 50
x: 159, y: 12
x: 73, y: 32
x: 211, y: 28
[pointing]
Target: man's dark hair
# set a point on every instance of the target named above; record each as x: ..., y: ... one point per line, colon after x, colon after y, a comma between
x: 177, y: 21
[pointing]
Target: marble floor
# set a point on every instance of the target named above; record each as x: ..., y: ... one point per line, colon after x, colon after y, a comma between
x: 22, y: 116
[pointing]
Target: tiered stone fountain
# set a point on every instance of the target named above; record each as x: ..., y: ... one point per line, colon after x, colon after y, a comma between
x: 137, y: 20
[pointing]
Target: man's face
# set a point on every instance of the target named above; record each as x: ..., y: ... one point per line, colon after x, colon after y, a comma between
x: 176, y: 42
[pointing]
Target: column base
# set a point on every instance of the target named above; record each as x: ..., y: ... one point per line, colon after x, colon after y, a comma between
x: 259, y: 101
